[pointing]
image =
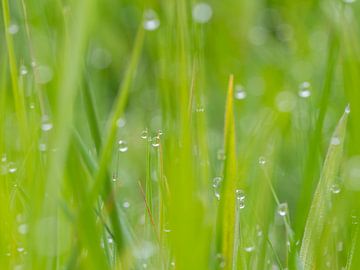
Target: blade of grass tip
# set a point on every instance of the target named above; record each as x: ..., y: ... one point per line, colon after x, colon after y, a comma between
x: 19, y: 98
x: 228, y: 199
x: 318, y: 209
x: 117, y: 112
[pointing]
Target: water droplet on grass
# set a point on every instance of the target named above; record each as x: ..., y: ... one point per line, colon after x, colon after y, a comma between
x: 249, y: 249
x: 240, y: 195
x: 121, y: 122
x: 13, y: 29
x: 305, y: 90
x: 347, y: 109
x: 12, y: 167
x: 123, y: 147
x: 240, y: 92
x: 349, y: 1
x: 155, y: 142
x: 335, y: 140
x: 151, y: 20
x: 126, y: 204
x: 46, y: 124
x: 217, y: 181
x: 335, y: 188
x: 144, y: 134
x: 23, y: 70
x: 282, y: 209
x: 202, y: 12
x: 262, y: 161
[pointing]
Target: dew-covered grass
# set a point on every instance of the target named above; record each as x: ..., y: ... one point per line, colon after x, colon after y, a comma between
x: 179, y: 134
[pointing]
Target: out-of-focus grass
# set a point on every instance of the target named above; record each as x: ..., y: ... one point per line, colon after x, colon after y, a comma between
x: 123, y: 147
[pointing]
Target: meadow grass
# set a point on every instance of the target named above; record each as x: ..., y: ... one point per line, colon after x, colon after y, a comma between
x: 179, y: 134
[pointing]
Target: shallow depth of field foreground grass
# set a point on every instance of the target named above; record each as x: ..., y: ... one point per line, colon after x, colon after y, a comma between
x: 176, y: 134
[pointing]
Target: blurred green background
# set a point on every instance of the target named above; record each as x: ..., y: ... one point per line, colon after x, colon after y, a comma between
x: 125, y: 145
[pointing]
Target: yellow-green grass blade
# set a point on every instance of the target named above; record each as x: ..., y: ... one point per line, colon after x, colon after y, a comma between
x: 228, y: 199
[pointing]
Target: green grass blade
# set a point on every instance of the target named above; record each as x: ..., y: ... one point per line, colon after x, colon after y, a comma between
x: 319, y: 206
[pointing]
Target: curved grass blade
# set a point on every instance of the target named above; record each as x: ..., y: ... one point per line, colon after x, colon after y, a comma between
x: 319, y: 206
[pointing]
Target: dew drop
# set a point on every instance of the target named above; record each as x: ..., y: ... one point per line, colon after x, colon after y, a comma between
x: 23, y: 70
x: 172, y: 264
x: 202, y: 12
x: 240, y: 92
x: 240, y: 195
x: 144, y: 134
x: 335, y: 140
x: 335, y: 188
x: 282, y: 209
x: 110, y: 240
x: 3, y: 158
x: 123, y: 147
x: 249, y: 249
x: 121, y: 122
x: 305, y: 90
x: 262, y: 160
x: 216, y: 184
x: 349, y: 1
x: 126, y: 204
x: 12, y: 167
x: 20, y: 249
x: 155, y: 142
x: 151, y: 20
x: 347, y: 109
x: 46, y: 124
x: 13, y: 29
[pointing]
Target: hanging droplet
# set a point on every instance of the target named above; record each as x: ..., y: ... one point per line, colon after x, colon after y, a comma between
x: 282, y: 209
x: 46, y: 125
x: 126, y: 204
x: 262, y: 160
x: 144, y: 134
x: 305, y: 90
x: 151, y: 20
x: 12, y: 167
x: 123, y: 147
x: 217, y: 185
x: 335, y: 188
x: 240, y: 195
x: 240, y: 92
x: 23, y: 70
x: 347, y: 109
x: 155, y: 142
